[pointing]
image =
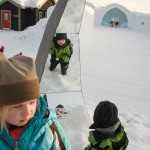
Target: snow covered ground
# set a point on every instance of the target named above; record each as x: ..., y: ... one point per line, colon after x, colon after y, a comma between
x: 114, y: 66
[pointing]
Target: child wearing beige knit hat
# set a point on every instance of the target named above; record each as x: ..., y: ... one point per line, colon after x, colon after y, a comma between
x: 25, y: 120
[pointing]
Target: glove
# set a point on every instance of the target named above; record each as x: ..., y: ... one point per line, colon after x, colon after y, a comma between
x: 53, y: 56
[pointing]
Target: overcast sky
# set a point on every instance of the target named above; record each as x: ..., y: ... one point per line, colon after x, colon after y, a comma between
x: 133, y: 5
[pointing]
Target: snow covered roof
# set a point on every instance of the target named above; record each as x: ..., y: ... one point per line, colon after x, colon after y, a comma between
x: 27, y: 3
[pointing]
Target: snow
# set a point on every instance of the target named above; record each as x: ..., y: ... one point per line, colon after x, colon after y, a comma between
x: 28, y: 3
x: 111, y: 64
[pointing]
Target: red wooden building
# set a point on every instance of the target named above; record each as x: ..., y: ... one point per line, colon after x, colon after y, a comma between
x: 18, y: 15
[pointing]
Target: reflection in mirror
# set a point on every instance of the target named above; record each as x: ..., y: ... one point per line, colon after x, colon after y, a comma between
x: 71, y: 19
x: 54, y: 99
x: 70, y: 23
x: 54, y: 81
x: 74, y: 119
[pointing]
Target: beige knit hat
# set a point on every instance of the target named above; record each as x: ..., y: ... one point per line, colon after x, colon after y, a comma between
x: 18, y: 80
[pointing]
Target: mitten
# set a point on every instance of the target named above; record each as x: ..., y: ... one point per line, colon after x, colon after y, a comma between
x: 53, y: 56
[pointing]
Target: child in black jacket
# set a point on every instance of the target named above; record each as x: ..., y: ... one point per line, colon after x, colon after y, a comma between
x: 108, y: 133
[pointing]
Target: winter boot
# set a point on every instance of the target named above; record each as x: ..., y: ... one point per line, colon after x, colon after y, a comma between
x: 53, y: 65
x: 64, y: 67
x: 51, y: 68
x: 63, y: 72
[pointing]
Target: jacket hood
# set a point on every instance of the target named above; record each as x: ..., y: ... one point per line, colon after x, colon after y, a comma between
x: 58, y: 46
x: 35, y: 123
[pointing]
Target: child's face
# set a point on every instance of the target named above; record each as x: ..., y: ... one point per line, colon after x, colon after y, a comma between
x: 20, y: 114
x: 61, y: 42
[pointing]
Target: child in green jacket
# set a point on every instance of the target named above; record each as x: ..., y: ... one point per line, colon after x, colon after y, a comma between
x: 61, y: 50
x: 108, y: 132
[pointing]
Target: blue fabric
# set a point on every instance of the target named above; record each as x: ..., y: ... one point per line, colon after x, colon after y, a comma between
x: 37, y: 135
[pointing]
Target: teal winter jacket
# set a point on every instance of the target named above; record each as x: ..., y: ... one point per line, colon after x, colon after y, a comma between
x: 37, y: 134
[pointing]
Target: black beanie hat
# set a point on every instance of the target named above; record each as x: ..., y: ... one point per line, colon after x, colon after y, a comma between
x: 105, y: 115
x: 61, y: 36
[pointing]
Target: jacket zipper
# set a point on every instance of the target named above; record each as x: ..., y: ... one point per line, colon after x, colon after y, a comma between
x: 16, y: 146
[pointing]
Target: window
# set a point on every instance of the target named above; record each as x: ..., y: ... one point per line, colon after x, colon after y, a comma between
x: 40, y: 15
x: 5, y: 16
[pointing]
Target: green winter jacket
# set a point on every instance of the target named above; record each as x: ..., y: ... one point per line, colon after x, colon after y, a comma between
x: 100, y: 141
x: 63, y: 52
x: 37, y: 134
